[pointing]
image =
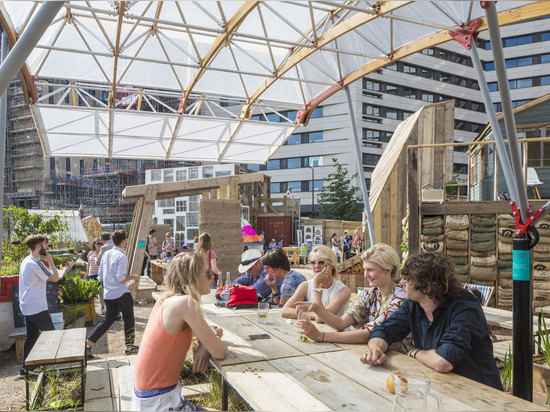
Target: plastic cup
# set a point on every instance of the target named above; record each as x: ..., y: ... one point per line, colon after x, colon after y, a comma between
x: 263, y: 312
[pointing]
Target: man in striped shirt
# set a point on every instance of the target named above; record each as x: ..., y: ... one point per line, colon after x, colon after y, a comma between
x: 33, y: 275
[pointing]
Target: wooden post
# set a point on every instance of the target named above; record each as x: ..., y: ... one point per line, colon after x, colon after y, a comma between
x: 412, y: 194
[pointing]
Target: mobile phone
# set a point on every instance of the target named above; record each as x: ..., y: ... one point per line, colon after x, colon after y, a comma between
x: 259, y: 336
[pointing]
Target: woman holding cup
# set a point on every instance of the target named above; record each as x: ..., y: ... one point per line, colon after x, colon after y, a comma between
x: 373, y: 305
x: 323, y: 289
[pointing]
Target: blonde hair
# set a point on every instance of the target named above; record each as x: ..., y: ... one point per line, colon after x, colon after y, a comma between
x: 205, y: 242
x: 182, y: 275
x: 327, y: 255
x: 384, y: 256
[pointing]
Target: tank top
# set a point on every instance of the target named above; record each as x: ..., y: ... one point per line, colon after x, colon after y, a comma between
x: 161, y: 355
x: 328, y: 295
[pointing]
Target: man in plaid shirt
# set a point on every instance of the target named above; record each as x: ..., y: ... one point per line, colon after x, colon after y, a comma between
x: 254, y: 273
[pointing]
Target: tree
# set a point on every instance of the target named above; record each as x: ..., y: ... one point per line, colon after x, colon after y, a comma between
x: 338, y: 198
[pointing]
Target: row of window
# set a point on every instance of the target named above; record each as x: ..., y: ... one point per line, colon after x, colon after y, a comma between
x: 515, y: 103
x: 433, y: 74
x: 377, y: 135
x: 521, y: 61
x: 386, y: 112
x: 448, y: 55
x: 288, y: 163
x: 522, y: 83
x: 302, y: 138
x: 370, y: 159
x: 417, y: 94
x: 167, y: 175
x: 519, y: 40
x: 468, y: 126
x: 296, y: 186
x: 290, y: 114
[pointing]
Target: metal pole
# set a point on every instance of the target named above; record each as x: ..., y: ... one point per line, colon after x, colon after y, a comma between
x: 358, y: 152
x: 497, y: 134
x: 522, y: 365
x: 312, y: 191
x: 27, y: 42
x: 507, y: 111
x: 3, y: 126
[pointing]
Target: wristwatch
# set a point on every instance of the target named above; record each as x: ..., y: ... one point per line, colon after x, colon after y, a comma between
x: 318, y: 290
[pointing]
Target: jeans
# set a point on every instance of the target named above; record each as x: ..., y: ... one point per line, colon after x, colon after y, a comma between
x: 124, y: 304
x: 153, y: 257
x: 35, y: 324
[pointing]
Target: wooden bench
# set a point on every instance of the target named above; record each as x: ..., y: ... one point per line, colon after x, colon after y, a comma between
x: 59, y: 347
x: 19, y: 335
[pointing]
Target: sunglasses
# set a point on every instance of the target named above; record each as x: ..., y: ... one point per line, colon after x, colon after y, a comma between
x: 317, y: 262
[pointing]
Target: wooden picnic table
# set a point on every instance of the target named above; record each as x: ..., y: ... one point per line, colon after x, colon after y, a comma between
x: 286, y: 373
x: 157, y: 270
x: 504, y: 319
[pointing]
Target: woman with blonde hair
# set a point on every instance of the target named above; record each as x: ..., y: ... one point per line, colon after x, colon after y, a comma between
x: 373, y: 305
x: 205, y: 247
x: 173, y: 321
x: 323, y: 289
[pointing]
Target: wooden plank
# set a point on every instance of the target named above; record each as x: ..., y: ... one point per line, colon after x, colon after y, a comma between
x: 285, y: 330
x: 252, y: 380
x: 45, y: 348
x: 125, y: 387
x: 72, y: 345
x: 450, y: 385
x: 98, y: 381
x: 100, y: 404
x: 412, y: 195
x: 191, y: 391
x: 394, y: 215
x: 114, y: 365
x: 332, y: 386
x: 243, y: 350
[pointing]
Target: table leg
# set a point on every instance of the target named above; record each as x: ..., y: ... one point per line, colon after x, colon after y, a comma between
x: 225, y: 393
x: 82, y: 381
x: 27, y: 400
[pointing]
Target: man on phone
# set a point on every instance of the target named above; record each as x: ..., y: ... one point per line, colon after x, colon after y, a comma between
x: 33, y: 275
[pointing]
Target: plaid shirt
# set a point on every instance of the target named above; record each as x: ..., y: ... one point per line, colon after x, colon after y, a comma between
x: 369, y: 311
x: 259, y: 284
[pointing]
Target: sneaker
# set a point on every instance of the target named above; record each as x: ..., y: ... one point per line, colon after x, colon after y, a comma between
x: 103, y: 310
x: 89, y: 355
x: 132, y: 351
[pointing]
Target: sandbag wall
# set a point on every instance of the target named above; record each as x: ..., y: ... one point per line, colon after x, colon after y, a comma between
x: 481, y: 247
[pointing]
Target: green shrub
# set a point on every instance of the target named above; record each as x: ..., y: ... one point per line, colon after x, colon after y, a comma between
x: 71, y: 314
x: 10, y: 269
x: 78, y: 290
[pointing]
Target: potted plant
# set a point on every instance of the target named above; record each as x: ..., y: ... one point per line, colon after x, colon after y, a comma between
x: 78, y: 292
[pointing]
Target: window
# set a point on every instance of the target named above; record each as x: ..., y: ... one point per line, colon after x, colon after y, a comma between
x: 545, y: 58
x: 167, y: 211
x: 181, y: 175
x: 168, y: 175
x: 525, y: 39
x: 391, y: 113
x: 294, y: 187
x: 392, y: 66
x: 315, y: 161
x: 273, y: 164
x: 170, y: 222
x: 545, y: 36
x: 294, y: 162
x: 193, y: 173
x: 180, y: 223
x: 524, y: 61
x: 192, y: 219
x: 370, y: 85
x: 428, y: 74
x: 275, y: 187
x: 194, y: 203
x: 315, y: 137
x: 370, y: 159
x: 427, y: 97
x: 317, y: 185
x: 68, y: 164
x: 156, y: 175
x: 318, y: 112
x: 253, y: 167
x: 273, y: 117
x: 493, y: 86
x: 409, y: 69
x: 428, y: 52
x: 222, y: 173
x: 371, y: 110
x: 391, y: 89
x: 489, y: 66
x: 545, y: 80
x: 460, y: 168
x: 294, y: 139
x: 207, y: 171
x: 82, y: 166
x: 181, y: 205
x: 166, y: 202
x: 410, y: 93
x: 521, y: 83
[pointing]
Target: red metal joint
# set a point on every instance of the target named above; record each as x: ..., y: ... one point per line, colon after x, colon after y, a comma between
x: 521, y: 228
x: 466, y: 34
x: 485, y: 4
x: 376, y: 7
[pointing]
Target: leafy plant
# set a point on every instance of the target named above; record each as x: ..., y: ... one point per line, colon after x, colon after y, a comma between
x: 338, y: 199
x: 10, y: 269
x: 506, y: 375
x: 71, y: 314
x: 544, y: 344
x: 61, y: 391
x: 78, y: 290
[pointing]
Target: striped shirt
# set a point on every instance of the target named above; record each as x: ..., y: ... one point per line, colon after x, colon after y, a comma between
x: 369, y: 310
x: 94, y: 267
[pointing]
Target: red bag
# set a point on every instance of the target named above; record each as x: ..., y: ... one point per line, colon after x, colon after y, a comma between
x: 242, y: 297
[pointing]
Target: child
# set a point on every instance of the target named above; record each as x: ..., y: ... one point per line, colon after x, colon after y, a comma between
x: 167, y: 337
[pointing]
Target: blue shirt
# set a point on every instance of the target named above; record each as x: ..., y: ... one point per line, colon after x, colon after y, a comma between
x: 458, y: 333
x: 259, y: 284
x: 290, y: 284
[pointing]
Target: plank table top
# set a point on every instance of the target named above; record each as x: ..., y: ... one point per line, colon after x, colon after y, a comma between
x: 58, y: 346
x: 324, y: 376
x: 504, y: 318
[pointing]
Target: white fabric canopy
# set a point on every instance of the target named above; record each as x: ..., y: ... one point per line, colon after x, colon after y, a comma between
x: 287, y: 55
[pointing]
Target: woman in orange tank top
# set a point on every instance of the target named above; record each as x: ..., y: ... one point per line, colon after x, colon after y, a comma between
x: 167, y: 337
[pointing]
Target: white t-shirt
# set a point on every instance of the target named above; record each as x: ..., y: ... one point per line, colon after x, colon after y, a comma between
x: 327, y: 295
x: 113, y: 271
x: 33, y: 275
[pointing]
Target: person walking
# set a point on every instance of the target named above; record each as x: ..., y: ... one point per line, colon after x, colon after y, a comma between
x: 33, y: 275
x: 92, y: 269
x: 116, y: 294
x: 107, y: 244
x: 205, y: 247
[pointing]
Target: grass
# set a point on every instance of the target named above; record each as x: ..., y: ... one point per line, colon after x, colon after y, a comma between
x: 506, y: 374
x: 61, y: 391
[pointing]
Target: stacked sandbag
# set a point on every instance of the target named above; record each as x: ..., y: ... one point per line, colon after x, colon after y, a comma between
x: 483, y: 261
x: 541, y: 265
x: 456, y: 243
x: 505, y: 236
x: 432, y: 236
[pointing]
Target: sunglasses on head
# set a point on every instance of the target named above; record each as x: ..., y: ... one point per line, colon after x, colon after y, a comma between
x: 317, y: 262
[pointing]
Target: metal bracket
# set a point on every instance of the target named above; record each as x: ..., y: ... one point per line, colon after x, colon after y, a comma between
x: 465, y: 34
x: 376, y: 7
x: 521, y: 228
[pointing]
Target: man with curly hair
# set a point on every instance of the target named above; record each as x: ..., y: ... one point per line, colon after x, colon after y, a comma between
x: 447, y: 323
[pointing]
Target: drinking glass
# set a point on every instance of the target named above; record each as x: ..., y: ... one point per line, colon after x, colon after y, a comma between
x: 303, y: 316
x: 263, y: 311
x: 411, y: 394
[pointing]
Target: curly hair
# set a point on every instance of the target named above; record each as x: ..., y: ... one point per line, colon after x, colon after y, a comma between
x: 433, y: 275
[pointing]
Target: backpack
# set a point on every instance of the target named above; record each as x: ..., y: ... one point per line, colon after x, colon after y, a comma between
x: 237, y: 297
